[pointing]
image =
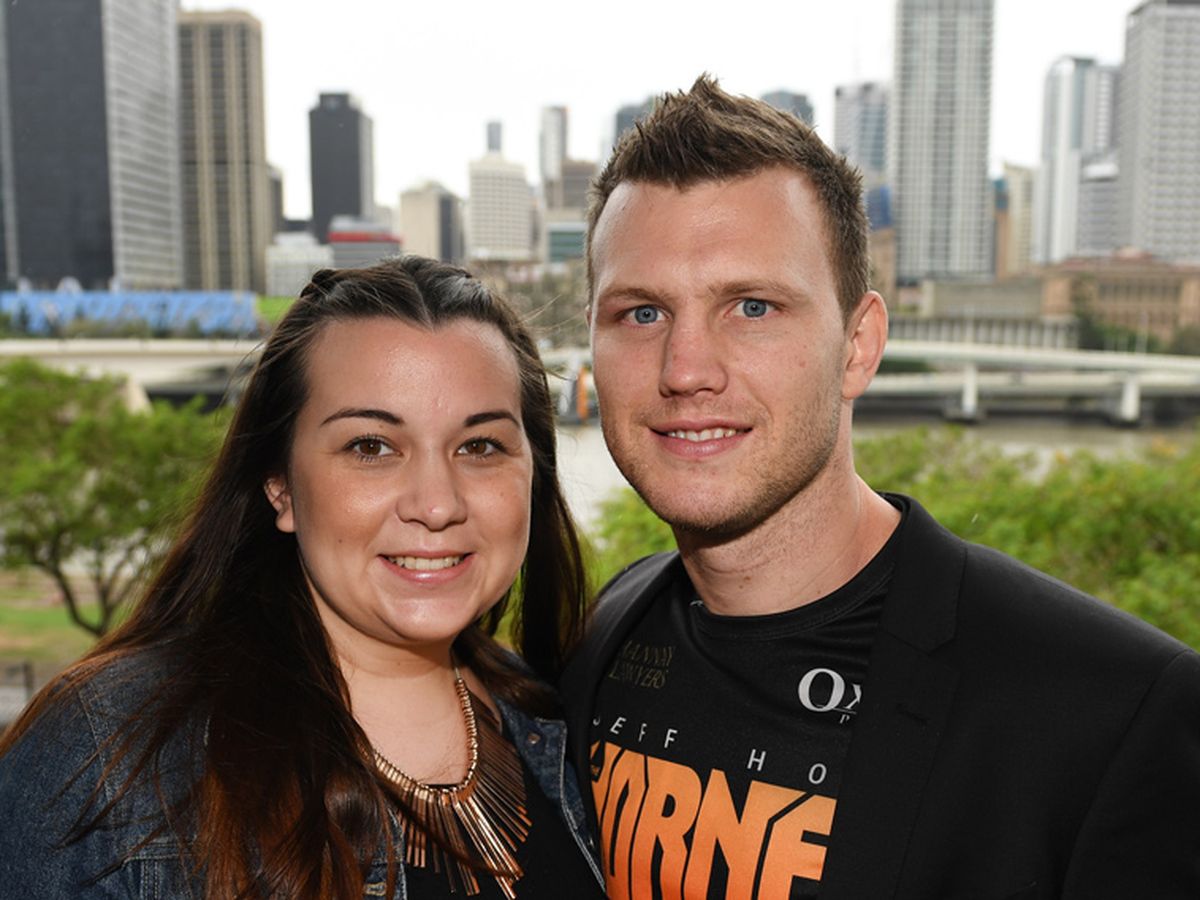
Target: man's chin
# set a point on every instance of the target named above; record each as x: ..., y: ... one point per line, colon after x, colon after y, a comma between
x: 712, y: 524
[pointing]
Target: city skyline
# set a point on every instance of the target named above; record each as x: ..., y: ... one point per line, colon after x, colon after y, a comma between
x: 408, y: 67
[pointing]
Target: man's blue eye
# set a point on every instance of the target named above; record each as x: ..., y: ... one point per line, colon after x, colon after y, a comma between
x: 754, y: 309
x: 644, y: 315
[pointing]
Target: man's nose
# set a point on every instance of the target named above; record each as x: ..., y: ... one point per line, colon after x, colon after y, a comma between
x: 692, y: 359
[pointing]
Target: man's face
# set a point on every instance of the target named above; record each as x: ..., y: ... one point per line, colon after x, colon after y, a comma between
x: 719, y: 346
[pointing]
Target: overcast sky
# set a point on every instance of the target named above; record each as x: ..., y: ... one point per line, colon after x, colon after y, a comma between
x: 431, y: 75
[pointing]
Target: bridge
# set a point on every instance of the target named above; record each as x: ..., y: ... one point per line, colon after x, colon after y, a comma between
x: 142, y: 363
x: 967, y: 375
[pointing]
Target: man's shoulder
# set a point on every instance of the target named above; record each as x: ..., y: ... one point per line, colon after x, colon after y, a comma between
x: 632, y: 582
x: 1009, y: 598
x: 617, y: 607
x: 1008, y: 604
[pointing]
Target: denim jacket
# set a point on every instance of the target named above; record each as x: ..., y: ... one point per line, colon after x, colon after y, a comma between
x: 40, y: 802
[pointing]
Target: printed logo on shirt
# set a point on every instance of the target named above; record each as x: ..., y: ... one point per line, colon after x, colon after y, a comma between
x: 825, y: 691
x: 668, y: 830
x: 642, y: 665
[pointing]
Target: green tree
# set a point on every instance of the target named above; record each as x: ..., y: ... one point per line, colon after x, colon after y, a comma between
x: 626, y: 530
x: 1186, y: 341
x: 89, y: 487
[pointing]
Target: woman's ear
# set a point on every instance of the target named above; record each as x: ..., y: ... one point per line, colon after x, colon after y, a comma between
x: 277, y: 493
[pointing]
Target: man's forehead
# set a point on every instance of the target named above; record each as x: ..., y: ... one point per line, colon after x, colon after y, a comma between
x: 779, y: 194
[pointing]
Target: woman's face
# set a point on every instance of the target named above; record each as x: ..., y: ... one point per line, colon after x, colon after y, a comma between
x: 408, y: 486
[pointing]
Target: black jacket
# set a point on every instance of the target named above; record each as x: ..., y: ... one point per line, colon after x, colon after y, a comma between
x: 1016, y: 738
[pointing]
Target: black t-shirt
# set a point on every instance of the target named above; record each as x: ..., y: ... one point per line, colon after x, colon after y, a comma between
x: 718, y: 742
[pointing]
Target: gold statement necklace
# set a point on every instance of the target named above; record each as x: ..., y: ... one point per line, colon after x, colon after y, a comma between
x: 479, y: 822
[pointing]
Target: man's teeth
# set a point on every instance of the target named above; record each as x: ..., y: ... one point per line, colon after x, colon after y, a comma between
x: 708, y: 434
x: 425, y: 563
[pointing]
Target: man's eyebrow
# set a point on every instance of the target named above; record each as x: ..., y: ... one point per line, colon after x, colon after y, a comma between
x: 761, y: 286
x: 491, y: 415
x: 629, y: 293
x: 381, y: 415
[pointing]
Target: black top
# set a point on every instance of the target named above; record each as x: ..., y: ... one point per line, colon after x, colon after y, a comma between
x: 553, y: 863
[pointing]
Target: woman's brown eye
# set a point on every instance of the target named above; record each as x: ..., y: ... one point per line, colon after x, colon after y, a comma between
x: 479, y: 447
x: 370, y: 447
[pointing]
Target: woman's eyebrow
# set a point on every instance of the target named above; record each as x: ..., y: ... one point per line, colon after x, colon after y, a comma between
x: 490, y: 415
x: 355, y: 413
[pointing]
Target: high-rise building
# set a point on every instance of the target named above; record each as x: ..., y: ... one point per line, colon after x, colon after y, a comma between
x: 227, y: 212
x: 1078, y: 115
x: 8, y: 197
x: 89, y: 183
x: 565, y: 181
x: 342, y: 161
x: 500, y: 212
x: 564, y: 223
x: 860, y: 128
x: 1099, y: 214
x: 552, y: 143
x: 495, y: 137
x: 1159, y: 130
x: 789, y: 101
x: 941, y: 106
x: 431, y: 222
x: 571, y: 191
x: 1014, y: 221
x: 278, y: 219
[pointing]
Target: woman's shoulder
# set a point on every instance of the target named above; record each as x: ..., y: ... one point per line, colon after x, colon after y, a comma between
x: 68, y: 768
x: 90, y: 721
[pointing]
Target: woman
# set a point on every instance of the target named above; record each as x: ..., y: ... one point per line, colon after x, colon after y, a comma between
x: 308, y: 701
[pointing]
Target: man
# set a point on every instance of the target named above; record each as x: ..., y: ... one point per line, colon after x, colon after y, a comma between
x: 825, y: 692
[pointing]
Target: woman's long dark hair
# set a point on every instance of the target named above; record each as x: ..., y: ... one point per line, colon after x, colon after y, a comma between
x: 287, y: 803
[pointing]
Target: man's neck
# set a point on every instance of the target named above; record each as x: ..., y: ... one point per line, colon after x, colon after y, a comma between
x: 811, y: 547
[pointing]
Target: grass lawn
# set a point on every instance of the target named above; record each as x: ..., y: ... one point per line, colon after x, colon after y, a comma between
x: 34, y: 624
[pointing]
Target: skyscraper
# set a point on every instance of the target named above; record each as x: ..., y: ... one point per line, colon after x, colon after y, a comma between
x: 8, y: 195
x: 1077, y: 127
x: 1014, y: 224
x: 1099, y: 211
x: 552, y: 143
x: 1159, y: 130
x: 89, y: 186
x: 790, y: 101
x: 942, y: 197
x: 500, y: 214
x: 860, y: 128
x: 227, y: 211
x: 342, y: 161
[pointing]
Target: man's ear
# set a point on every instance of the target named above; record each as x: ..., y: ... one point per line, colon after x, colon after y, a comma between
x: 866, y: 336
x: 277, y: 493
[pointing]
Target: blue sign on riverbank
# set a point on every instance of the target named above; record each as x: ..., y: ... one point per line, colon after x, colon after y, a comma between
x: 206, y: 313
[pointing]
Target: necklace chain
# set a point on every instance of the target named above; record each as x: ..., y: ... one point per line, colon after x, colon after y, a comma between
x: 477, y: 823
